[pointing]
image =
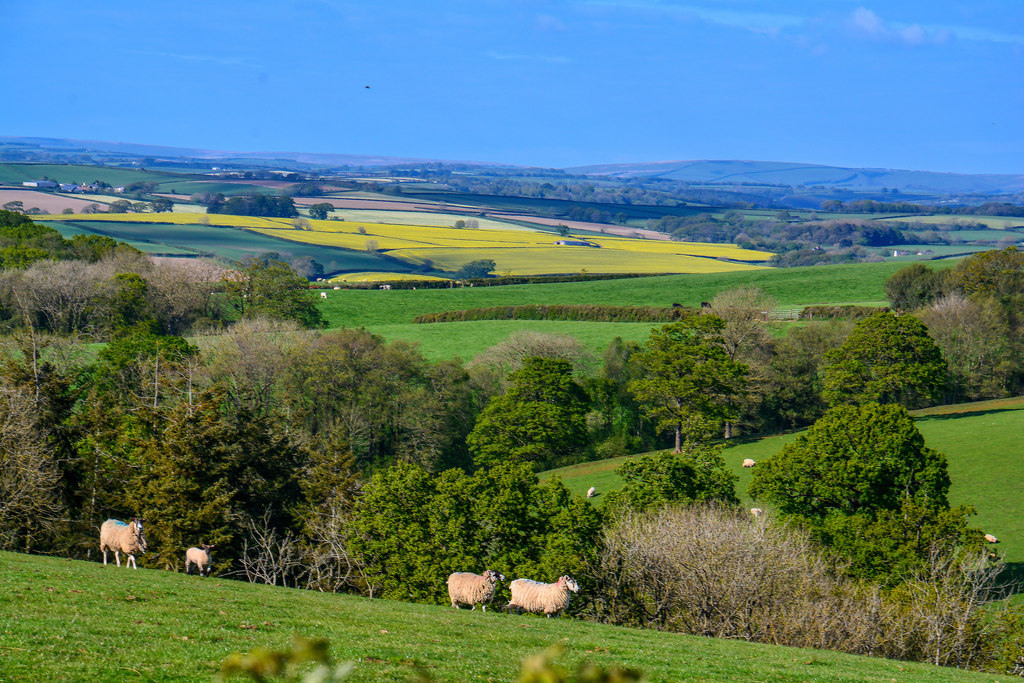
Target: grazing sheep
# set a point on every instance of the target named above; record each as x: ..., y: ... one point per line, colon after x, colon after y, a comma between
x: 123, y: 538
x: 200, y: 557
x: 548, y: 598
x: 991, y: 539
x: 591, y: 492
x: 757, y: 512
x: 465, y: 588
x: 747, y: 462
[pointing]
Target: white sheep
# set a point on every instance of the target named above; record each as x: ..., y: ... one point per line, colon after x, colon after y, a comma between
x: 547, y: 598
x: 991, y: 539
x: 591, y: 492
x: 123, y: 538
x: 465, y: 588
x: 757, y: 512
x: 200, y: 557
x: 747, y: 462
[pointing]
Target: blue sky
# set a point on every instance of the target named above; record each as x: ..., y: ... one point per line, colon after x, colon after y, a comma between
x: 925, y: 85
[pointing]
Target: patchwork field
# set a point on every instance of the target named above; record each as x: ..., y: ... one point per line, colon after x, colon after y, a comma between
x: 219, y: 239
x: 514, y: 251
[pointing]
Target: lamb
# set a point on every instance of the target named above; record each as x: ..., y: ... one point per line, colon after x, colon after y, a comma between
x: 757, y: 512
x: 747, y: 462
x: 200, y: 557
x: 465, y: 588
x: 591, y: 492
x: 537, y: 597
x: 123, y: 538
x: 991, y: 539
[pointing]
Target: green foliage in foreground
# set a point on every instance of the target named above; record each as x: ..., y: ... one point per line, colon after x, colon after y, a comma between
x: 70, y: 620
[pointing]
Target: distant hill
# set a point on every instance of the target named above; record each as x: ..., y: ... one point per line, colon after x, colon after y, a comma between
x: 831, y: 179
x: 69, y: 147
x: 782, y: 173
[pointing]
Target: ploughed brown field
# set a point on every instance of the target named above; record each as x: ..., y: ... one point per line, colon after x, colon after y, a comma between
x: 45, y: 201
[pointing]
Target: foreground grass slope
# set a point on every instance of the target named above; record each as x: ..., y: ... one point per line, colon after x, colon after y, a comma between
x: 72, y: 620
x: 981, y: 441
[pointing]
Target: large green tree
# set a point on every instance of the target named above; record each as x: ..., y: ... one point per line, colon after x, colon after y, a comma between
x: 272, y: 289
x: 654, y: 480
x: 688, y: 382
x: 414, y: 529
x: 887, y: 359
x: 540, y: 419
x: 863, y: 480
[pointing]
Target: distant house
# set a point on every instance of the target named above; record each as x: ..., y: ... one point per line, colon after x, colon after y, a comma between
x: 576, y: 243
x: 47, y: 184
x: 119, y: 188
x: 68, y: 187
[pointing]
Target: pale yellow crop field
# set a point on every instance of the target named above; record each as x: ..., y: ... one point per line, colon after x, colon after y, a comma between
x: 544, y: 260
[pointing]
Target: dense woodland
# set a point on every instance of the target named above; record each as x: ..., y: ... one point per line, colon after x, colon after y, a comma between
x: 213, y: 404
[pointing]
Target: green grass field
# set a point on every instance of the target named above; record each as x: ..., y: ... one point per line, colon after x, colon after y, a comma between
x: 441, y: 341
x: 70, y: 620
x: 981, y: 441
x: 862, y: 283
x: 67, y: 173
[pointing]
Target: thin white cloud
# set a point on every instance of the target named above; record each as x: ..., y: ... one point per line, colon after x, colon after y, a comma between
x: 866, y: 23
x: 210, y: 59
x: 522, y: 57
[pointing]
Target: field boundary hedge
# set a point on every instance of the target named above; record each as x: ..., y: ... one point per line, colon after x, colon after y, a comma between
x: 848, y: 312
x: 581, y: 313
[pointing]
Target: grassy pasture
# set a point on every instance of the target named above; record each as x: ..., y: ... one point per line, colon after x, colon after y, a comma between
x: 72, y: 620
x: 860, y: 283
x: 980, y: 440
x: 466, y: 339
x: 993, y: 222
x: 212, y: 186
x: 68, y: 173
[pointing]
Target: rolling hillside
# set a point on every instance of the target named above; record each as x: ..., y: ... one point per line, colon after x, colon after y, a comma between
x: 72, y: 620
x: 980, y: 440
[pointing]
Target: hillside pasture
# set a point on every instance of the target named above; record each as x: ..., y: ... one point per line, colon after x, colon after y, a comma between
x: 14, y: 173
x: 73, y: 620
x: 792, y: 288
x: 467, y: 339
x: 980, y: 440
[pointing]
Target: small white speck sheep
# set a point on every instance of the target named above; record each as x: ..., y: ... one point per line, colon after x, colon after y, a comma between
x: 465, y: 588
x: 547, y: 598
x: 757, y: 512
x: 591, y: 492
x: 200, y: 557
x: 747, y: 462
x: 991, y: 539
x: 123, y: 538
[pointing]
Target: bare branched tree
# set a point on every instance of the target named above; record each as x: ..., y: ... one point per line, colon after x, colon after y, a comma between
x: 269, y: 556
